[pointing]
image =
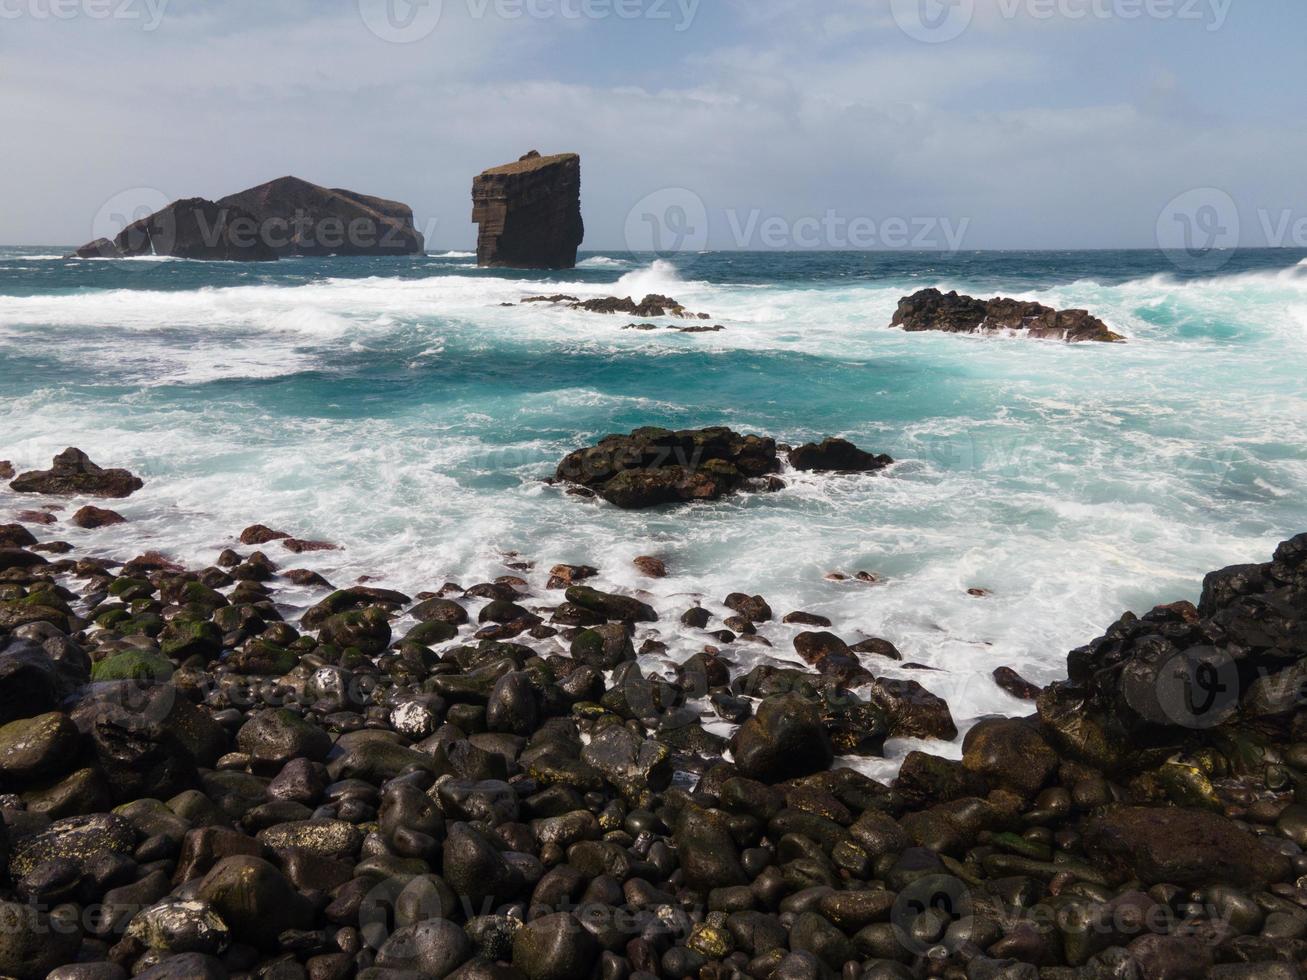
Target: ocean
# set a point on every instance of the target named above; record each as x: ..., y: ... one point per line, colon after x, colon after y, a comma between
x: 397, y: 408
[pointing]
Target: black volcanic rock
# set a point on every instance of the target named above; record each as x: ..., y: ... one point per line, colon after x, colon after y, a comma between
x: 653, y: 466
x: 837, y: 455
x: 930, y: 309
x: 300, y: 218
x: 73, y: 473
x: 101, y: 248
x: 189, y: 229
x: 288, y: 216
x: 529, y: 213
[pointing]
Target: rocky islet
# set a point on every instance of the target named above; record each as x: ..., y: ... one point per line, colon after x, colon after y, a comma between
x: 653, y: 467
x: 931, y: 309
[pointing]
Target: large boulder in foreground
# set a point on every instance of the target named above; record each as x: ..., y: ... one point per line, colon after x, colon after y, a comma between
x: 301, y: 218
x: 73, y: 473
x: 1190, y: 848
x: 930, y: 309
x: 529, y: 213
x: 287, y: 216
x: 653, y: 466
x: 1180, y: 676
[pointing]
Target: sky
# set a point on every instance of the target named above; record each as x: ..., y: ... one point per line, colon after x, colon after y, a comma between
x: 971, y: 124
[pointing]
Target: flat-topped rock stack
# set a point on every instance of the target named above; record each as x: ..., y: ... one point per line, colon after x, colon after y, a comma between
x: 529, y: 213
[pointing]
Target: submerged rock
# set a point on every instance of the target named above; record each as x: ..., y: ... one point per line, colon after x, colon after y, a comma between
x: 90, y: 517
x: 73, y: 473
x: 529, y: 213
x: 930, y: 309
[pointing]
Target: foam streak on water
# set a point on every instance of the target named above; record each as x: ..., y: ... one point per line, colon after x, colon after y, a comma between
x: 400, y: 409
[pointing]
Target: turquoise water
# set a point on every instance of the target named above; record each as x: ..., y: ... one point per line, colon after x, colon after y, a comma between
x: 395, y: 407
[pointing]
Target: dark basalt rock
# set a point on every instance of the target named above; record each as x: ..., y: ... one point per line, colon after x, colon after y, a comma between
x: 654, y: 466
x: 73, y: 473
x: 785, y: 739
x: 500, y: 810
x: 296, y: 217
x: 529, y: 213
x: 287, y: 216
x: 30, y: 945
x: 90, y: 517
x: 930, y: 309
x: 192, y: 228
x: 1182, y: 847
x: 837, y: 455
x: 653, y: 304
x: 1181, y: 676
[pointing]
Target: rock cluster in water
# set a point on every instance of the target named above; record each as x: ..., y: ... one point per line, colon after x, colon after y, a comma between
x: 529, y: 213
x: 654, y: 304
x: 502, y: 782
x: 931, y: 309
x: 652, y: 466
x: 73, y: 473
x: 283, y: 217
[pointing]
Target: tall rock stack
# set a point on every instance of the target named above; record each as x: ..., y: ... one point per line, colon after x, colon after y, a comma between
x: 529, y: 213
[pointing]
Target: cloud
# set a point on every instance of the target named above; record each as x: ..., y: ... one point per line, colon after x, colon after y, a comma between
x: 763, y: 105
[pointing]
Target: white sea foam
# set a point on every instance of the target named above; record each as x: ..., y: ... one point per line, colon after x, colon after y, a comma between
x: 603, y: 262
x: 1072, y: 482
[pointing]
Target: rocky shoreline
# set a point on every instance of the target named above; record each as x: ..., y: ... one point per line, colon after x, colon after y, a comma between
x: 501, y: 781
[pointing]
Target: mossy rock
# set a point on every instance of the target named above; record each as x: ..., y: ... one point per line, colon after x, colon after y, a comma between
x: 431, y: 632
x: 23, y: 612
x: 145, y: 624
x: 368, y: 629
x: 133, y: 665
x: 264, y: 659
x: 199, y: 594
x: 185, y: 638
x: 130, y: 588
x: 111, y: 618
